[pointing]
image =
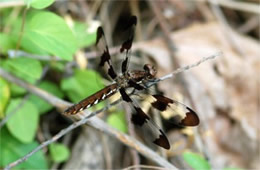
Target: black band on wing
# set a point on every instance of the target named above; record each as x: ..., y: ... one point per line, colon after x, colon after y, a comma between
x: 161, y: 102
x: 100, y: 34
x: 162, y: 141
x: 139, y: 118
x: 130, y: 25
x: 191, y: 118
x: 112, y: 73
x: 127, y: 44
x: 105, y: 57
x: 188, y: 118
x: 131, y: 22
x: 124, y: 95
x: 124, y: 64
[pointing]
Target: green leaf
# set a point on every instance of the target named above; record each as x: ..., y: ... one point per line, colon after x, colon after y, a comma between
x: 83, y: 84
x: 118, y: 121
x: 230, y: 168
x: 6, y: 43
x: 196, y: 161
x: 47, y: 32
x: 40, y: 4
x: 58, y: 66
x: 59, y: 152
x: 85, y: 34
x: 41, y: 104
x: 22, y: 67
x: 12, y: 149
x: 28, y: 69
x: 4, y: 96
x: 23, y: 124
x: 16, y: 90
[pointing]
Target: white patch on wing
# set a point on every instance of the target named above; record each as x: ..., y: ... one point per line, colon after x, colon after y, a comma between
x: 103, y: 97
x: 175, y: 109
x: 96, y: 101
x: 88, y: 106
x: 172, y: 110
x: 109, y: 92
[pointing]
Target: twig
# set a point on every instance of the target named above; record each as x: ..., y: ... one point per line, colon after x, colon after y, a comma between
x: 8, y: 4
x: 144, y: 167
x: 22, y: 29
x: 164, y: 26
x: 54, y: 138
x: 187, y: 67
x: 88, y: 55
x: 99, y: 124
x: 53, y: 100
x: 94, y: 121
x: 251, y: 23
x: 227, y: 29
x: 20, y: 53
x: 107, y: 152
x: 205, y: 11
x: 238, y: 5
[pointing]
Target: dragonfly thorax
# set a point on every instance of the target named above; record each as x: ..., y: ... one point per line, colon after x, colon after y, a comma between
x: 122, y: 81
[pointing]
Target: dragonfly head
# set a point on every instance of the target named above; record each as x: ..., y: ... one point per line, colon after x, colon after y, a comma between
x: 150, y: 71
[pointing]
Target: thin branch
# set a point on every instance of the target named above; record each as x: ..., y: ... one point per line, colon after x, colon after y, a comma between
x: 20, y: 53
x: 56, y: 137
x: 250, y: 24
x: 240, y: 5
x: 89, y: 55
x: 22, y: 29
x: 164, y: 26
x: 187, y: 67
x: 8, y: 4
x: 53, y: 100
x: 144, y: 167
x: 94, y: 121
x: 227, y: 29
x: 237, y: 5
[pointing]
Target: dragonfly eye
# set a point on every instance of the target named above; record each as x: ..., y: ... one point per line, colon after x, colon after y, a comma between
x: 150, y: 71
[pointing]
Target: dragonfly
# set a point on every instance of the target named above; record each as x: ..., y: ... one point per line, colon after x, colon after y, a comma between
x: 137, y: 80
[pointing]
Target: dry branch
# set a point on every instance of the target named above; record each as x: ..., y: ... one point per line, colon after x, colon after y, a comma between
x: 238, y: 5
x: 94, y: 121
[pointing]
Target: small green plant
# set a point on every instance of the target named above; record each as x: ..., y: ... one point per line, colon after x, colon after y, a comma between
x: 39, y: 32
x: 196, y: 161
